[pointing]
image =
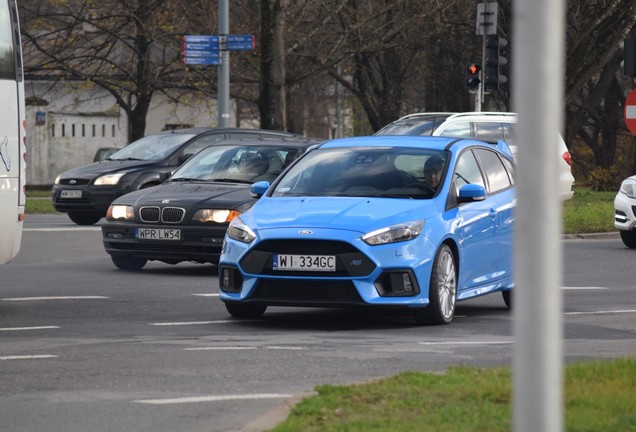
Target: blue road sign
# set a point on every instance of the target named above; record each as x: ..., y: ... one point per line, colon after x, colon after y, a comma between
x: 200, y: 53
x: 201, y: 46
x: 202, y: 60
x: 240, y: 42
x: 202, y: 39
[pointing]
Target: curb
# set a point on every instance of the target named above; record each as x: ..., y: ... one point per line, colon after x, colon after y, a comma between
x: 614, y: 235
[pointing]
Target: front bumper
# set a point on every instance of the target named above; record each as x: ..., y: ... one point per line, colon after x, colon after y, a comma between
x: 624, y: 212
x: 198, y: 243
x: 92, y: 198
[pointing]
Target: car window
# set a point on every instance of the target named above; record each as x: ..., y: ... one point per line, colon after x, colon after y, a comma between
x: 152, y: 147
x: 201, y: 143
x: 488, y: 131
x: 369, y: 172
x: 496, y: 173
x: 460, y: 129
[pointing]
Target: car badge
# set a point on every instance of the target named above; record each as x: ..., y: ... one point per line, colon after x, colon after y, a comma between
x: 165, y: 201
x: 72, y: 181
x: 303, y: 232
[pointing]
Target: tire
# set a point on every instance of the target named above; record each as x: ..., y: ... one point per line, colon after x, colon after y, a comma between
x: 84, y: 217
x: 245, y: 310
x: 442, y: 293
x: 629, y: 238
x: 507, y: 298
x: 125, y: 262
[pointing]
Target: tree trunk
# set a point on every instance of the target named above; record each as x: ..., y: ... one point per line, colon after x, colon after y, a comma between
x: 272, y: 96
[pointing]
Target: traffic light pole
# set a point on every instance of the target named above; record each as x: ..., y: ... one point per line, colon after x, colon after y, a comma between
x: 480, y: 99
x: 223, y: 90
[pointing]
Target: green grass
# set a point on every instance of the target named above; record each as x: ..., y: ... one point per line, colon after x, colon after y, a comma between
x: 39, y: 201
x: 599, y: 396
x: 589, y: 212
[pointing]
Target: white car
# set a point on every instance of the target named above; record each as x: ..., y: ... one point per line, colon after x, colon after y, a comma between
x: 624, y: 206
x: 485, y: 126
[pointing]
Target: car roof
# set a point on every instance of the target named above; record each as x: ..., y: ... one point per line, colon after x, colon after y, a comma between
x: 436, y: 143
x: 287, y: 141
x: 200, y: 130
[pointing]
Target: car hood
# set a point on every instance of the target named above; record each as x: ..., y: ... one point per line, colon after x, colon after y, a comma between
x: 103, y: 167
x: 345, y: 213
x: 214, y: 195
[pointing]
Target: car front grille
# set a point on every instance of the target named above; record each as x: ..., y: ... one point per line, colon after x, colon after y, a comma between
x: 283, y: 292
x: 74, y: 182
x: 170, y: 215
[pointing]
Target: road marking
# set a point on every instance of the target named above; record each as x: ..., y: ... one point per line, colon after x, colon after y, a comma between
x: 64, y: 229
x: 27, y: 357
x: 188, y: 323
x: 54, y: 298
x: 229, y: 348
x: 602, y: 312
x: 584, y: 288
x: 466, y: 343
x: 198, y: 399
x: 207, y: 295
x: 28, y: 328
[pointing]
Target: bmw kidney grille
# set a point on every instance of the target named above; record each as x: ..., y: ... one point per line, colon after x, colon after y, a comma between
x: 171, y: 215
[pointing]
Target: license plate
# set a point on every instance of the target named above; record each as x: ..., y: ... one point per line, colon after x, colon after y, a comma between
x: 71, y: 193
x: 158, y: 234
x: 317, y: 263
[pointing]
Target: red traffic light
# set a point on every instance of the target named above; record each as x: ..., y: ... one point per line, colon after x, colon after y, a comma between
x: 473, y: 69
x: 472, y: 76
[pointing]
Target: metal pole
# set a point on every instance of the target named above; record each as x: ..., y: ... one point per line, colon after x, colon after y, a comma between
x: 537, y: 95
x: 223, y: 91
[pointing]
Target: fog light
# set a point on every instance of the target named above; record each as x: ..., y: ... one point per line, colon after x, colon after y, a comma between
x: 230, y: 279
x: 397, y: 284
x: 115, y: 236
x: 406, y: 282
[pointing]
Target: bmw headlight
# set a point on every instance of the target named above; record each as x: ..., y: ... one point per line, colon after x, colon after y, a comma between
x: 628, y: 187
x: 394, y: 233
x: 215, y: 215
x: 109, y: 179
x: 120, y: 212
x: 240, y: 232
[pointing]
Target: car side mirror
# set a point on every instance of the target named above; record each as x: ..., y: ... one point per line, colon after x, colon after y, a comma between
x: 164, y: 175
x: 258, y: 189
x: 471, y: 192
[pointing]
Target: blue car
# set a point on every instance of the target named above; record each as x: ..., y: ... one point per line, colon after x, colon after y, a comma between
x: 410, y: 222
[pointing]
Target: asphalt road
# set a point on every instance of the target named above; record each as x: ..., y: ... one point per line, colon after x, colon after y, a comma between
x: 85, y: 346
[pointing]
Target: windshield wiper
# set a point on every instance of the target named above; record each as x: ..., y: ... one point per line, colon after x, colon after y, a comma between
x: 186, y: 179
x: 125, y: 159
x: 229, y: 180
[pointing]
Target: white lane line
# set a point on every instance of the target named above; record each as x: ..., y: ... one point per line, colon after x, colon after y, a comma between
x: 591, y: 288
x: 602, y: 312
x: 207, y: 295
x: 467, y: 343
x: 64, y: 229
x: 28, y: 328
x: 188, y: 323
x: 199, y: 399
x: 54, y: 298
x: 230, y: 348
x: 28, y: 357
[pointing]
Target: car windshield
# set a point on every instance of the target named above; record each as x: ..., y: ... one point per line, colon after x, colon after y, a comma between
x: 424, y: 125
x: 387, y: 172
x: 152, y: 147
x: 236, y: 163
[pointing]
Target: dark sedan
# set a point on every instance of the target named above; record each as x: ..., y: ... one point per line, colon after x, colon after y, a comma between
x: 85, y: 193
x: 185, y: 218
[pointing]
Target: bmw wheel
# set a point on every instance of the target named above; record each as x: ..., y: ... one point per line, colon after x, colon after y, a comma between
x: 245, y: 310
x: 629, y: 238
x: 442, y: 290
x: 125, y: 262
x: 84, y: 217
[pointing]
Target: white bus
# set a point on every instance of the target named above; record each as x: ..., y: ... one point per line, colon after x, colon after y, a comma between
x: 12, y: 133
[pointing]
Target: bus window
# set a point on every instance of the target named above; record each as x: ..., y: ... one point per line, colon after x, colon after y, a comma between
x: 12, y: 134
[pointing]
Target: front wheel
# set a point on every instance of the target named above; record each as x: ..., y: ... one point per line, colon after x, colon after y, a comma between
x: 128, y: 263
x: 84, y: 217
x: 629, y: 238
x: 442, y: 292
x: 245, y: 310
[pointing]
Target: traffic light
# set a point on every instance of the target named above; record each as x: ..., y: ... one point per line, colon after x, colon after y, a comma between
x: 472, y: 76
x: 494, y: 61
x: 629, y: 56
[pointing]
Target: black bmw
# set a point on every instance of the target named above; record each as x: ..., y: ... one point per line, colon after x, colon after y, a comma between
x: 186, y: 217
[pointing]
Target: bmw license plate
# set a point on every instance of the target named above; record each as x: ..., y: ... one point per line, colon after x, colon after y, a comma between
x: 71, y: 193
x: 317, y: 263
x: 158, y: 234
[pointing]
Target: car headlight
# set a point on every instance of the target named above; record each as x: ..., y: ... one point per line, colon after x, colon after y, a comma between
x: 628, y: 187
x: 215, y: 215
x: 109, y: 179
x: 57, y: 180
x: 120, y: 212
x: 240, y: 232
x: 394, y: 233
